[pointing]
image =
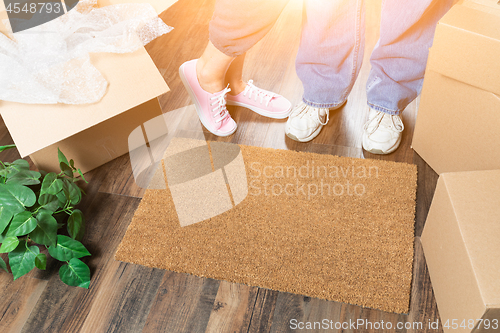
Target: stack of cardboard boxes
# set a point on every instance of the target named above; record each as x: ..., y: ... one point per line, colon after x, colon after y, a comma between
x: 458, y: 119
x: 458, y: 134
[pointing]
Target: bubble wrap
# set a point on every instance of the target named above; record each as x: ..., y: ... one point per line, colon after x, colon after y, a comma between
x: 50, y: 63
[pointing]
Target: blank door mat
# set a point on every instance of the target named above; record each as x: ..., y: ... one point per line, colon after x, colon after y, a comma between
x: 323, y: 226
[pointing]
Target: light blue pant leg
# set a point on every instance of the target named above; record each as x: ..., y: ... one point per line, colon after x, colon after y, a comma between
x: 400, y: 56
x: 331, y: 50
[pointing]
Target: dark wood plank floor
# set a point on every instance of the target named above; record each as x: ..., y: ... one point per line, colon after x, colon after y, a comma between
x: 130, y: 298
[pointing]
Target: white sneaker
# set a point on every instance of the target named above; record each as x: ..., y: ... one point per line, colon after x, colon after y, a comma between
x: 382, y: 132
x: 305, y: 122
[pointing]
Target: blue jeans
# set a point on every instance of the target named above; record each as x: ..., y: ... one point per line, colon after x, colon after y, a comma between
x: 332, y: 45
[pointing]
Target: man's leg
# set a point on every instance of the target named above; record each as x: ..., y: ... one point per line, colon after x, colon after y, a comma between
x: 398, y: 60
x: 328, y: 62
x: 397, y: 67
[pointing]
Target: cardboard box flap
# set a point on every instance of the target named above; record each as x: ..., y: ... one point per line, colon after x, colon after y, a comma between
x: 485, y: 5
x: 3, y: 16
x: 466, y: 47
x: 158, y: 5
x: 133, y: 79
x: 475, y: 197
x: 488, y: 3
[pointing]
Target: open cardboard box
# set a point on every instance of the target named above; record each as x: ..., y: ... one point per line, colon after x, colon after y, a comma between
x: 91, y: 134
x: 458, y: 121
x: 461, y: 242
x: 3, y: 16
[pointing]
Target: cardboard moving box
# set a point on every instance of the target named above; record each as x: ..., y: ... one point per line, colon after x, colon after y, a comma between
x: 461, y: 242
x: 484, y: 5
x: 91, y: 134
x: 458, y: 121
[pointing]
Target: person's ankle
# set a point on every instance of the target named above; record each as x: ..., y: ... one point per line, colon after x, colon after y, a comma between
x: 208, y: 80
x: 237, y: 87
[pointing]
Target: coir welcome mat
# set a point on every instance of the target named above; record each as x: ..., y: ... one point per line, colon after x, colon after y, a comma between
x: 323, y: 226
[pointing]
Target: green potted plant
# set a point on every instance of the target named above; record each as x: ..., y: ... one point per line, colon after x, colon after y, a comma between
x: 36, y: 210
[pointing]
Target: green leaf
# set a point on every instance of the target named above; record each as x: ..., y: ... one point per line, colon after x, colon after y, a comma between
x: 16, y: 197
x: 67, y: 248
x: 20, y: 164
x: 74, y: 194
x: 62, y: 158
x: 41, y: 261
x: 5, y: 217
x: 9, y: 244
x: 76, y: 224
x: 3, y: 173
x: 48, y: 202
x: 2, y: 148
x: 22, y: 260
x: 24, y: 177
x: 22, y: 224
x: 51, y: 184
x: 75, y: 274
x: 81, y: 174
x: 46, y: 230
x: 3, y: 265
x: 63, y: 196
x: 8, y: 170
x: 66, y: 169
x: 72, y: 164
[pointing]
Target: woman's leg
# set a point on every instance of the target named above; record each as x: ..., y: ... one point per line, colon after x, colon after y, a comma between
x: 235, y: 27
x: 234, y: 75
x: 211, y: 69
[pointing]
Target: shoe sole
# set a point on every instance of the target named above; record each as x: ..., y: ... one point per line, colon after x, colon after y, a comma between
x: 262, y: 112
x: 381, y: 152
x: 197, y: 103
x: 316, y: 132
x: 309, y: 138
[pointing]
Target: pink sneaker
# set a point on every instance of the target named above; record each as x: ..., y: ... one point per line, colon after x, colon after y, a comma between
x: 211, y: 108
x: 265, y: 103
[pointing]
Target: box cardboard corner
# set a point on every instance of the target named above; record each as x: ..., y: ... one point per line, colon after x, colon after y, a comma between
x: 461, y: 242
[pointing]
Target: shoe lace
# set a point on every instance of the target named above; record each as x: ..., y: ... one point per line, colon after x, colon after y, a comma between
x: 264, y: 95
x: 312, y: 111
x: 327, y: 116
x: 397, y: 123
x: 220, y: 105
